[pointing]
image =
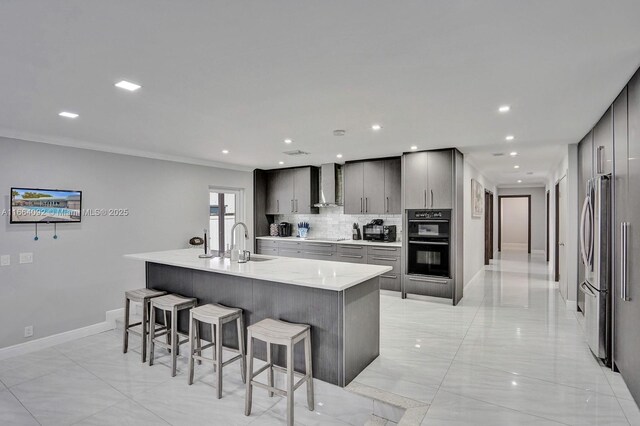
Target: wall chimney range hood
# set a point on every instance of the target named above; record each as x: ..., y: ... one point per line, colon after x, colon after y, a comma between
x: 330, y: 185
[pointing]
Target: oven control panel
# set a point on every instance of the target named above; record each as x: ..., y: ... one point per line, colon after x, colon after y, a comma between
x: 429, y: 214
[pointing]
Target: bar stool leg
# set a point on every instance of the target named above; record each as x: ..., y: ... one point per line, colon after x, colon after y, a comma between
x: 198, y: 342
x: 145, y: 314
x: 270, y: 369
x: 168, y: 326
x: 243, y: 359
x: 174, y: 341
x: 213, y: 340
x: 125, y: 341
x: 309, y: 371
x: 290, y: 400
x: 248, y: 395
x: 218, y: 349
x: 192, y: 326
x: 152, y: 333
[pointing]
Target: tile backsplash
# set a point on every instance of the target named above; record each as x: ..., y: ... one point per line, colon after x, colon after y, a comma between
x: 331, y: 222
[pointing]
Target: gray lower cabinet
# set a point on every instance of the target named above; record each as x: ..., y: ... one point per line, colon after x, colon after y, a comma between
x: 351, y: 253
x: 626, y: 291
x: 428, y: 179
x: 387, y: 256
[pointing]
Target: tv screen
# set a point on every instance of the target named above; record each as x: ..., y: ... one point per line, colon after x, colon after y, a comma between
x: 32, y: 205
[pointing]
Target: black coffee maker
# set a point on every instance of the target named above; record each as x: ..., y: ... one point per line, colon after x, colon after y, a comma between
x: 284, y: 229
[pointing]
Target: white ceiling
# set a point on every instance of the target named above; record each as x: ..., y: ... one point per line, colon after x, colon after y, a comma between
x: 244, y: 75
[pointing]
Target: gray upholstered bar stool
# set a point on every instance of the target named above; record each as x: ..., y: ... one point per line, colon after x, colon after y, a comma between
x: 275, y: 332
x: 216, y: 316
x: 170, y: 303
x: 143, y: 296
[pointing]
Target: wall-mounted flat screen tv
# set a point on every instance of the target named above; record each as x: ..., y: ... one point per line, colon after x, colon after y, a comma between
x: 33, y: 205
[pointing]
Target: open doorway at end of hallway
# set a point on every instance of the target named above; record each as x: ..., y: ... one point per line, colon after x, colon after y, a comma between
x: 225, y: 209
x: 488, y: 227
x: 514, y: 223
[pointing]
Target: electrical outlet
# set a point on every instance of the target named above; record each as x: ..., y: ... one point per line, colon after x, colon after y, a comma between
x: 28, y: 331
x: 26, y: 257
x: 5, y: 260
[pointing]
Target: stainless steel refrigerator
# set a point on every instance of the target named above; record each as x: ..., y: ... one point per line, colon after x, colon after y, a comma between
x: 595, y: 249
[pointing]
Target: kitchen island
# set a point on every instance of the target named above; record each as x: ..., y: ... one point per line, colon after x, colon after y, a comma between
x: 340, y: 301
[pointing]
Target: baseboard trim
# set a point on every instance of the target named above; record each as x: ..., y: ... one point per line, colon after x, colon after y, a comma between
x: 46, y: 342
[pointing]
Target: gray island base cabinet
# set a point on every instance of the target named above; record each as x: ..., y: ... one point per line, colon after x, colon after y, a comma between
x: 345, y: 324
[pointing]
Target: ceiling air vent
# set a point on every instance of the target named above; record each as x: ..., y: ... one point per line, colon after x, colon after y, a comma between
x: 296, y: 152
x: 498, y: 154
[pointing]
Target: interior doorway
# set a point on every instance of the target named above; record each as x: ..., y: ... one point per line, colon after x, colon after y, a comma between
x: 488, y: 227
x: 514, y: 222
x: 225, y: 209
x: 560, y: 257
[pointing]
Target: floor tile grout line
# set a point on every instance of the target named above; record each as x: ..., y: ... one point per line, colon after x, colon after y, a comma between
x: 23, y: 406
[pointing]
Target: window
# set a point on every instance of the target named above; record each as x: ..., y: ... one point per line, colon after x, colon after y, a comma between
x: 224, y: 211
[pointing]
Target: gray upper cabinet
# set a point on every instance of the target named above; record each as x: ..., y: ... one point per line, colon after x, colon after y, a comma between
x: 415, y: 180
x: 627, y: 218
x: 440, y: 179
x: 372, y: 187
x: 353, y: 188
x: 428, y: 180
x: 374, y: 197
x: 603, y: 144
x: 392, y: 187
x: 292, y: 190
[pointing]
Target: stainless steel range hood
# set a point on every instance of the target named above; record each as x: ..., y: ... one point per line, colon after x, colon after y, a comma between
x: 330, y: 185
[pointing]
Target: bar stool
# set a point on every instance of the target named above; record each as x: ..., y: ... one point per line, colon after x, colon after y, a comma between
x: 170, y: 303
x: 216, y: 316
x: 141, y: 295
x: 275, y: 332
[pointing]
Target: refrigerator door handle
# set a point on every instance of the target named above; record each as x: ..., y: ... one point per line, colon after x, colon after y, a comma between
x: 624, y: 278
x: 583, y: 251
x: 586, y: 290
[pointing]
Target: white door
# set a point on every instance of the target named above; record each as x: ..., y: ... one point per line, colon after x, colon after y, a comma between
x: 562, y: 237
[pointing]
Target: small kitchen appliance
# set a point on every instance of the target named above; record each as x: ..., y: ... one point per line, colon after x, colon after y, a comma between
x: 284, y: 229
x: 376, y: 231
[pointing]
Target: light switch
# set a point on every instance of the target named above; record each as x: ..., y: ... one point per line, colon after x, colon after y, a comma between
x: 5, y: 260
x: 26, y: 257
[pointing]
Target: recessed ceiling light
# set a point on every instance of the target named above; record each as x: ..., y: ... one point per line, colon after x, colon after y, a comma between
x: 516, y: 167
x: 68, y: 114
x: 339, y: 155
x: 513, y: 154
x: 519, y: 180
x: 287, y: 141
x: 509, y: 138
x: 504, y: 108
x: 281, y: 162
x: 127, y: 85
x: 225, y: 151
x: 414, y: 147
x: 376, y: 127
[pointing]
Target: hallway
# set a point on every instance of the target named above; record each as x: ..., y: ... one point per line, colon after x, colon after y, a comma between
x: 509, y: 353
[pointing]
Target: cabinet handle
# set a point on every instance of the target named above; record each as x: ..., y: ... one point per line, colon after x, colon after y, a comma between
x: 387, y: 204
x: 366, y: 204
x: 353, y: 256
x: 425, y: 198
x: 320, y: 244
x: 393, y: 277
x: 599, y: 159
x: 384, y: 249
x: 429, y: 281
x: 321, y: 254
x: 393, y: 259
x: 291, y: 206
x: 296, y: 206
x: 361, y: 208
x: 624, y: 279
x: 351, y: 247
x: 431, y: 197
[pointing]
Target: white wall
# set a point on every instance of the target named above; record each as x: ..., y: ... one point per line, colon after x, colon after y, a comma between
x: 474, y: 227
x: 74, y: 280
x: 538, y: 213
x: 515, y: 221
x: 568, y: 167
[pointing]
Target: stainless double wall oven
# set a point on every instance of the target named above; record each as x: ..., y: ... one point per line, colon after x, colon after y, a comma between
x: 429, y: 243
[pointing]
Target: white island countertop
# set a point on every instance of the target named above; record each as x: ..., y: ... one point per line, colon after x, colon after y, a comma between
x: 333, y: 241
x: 322, y: 274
